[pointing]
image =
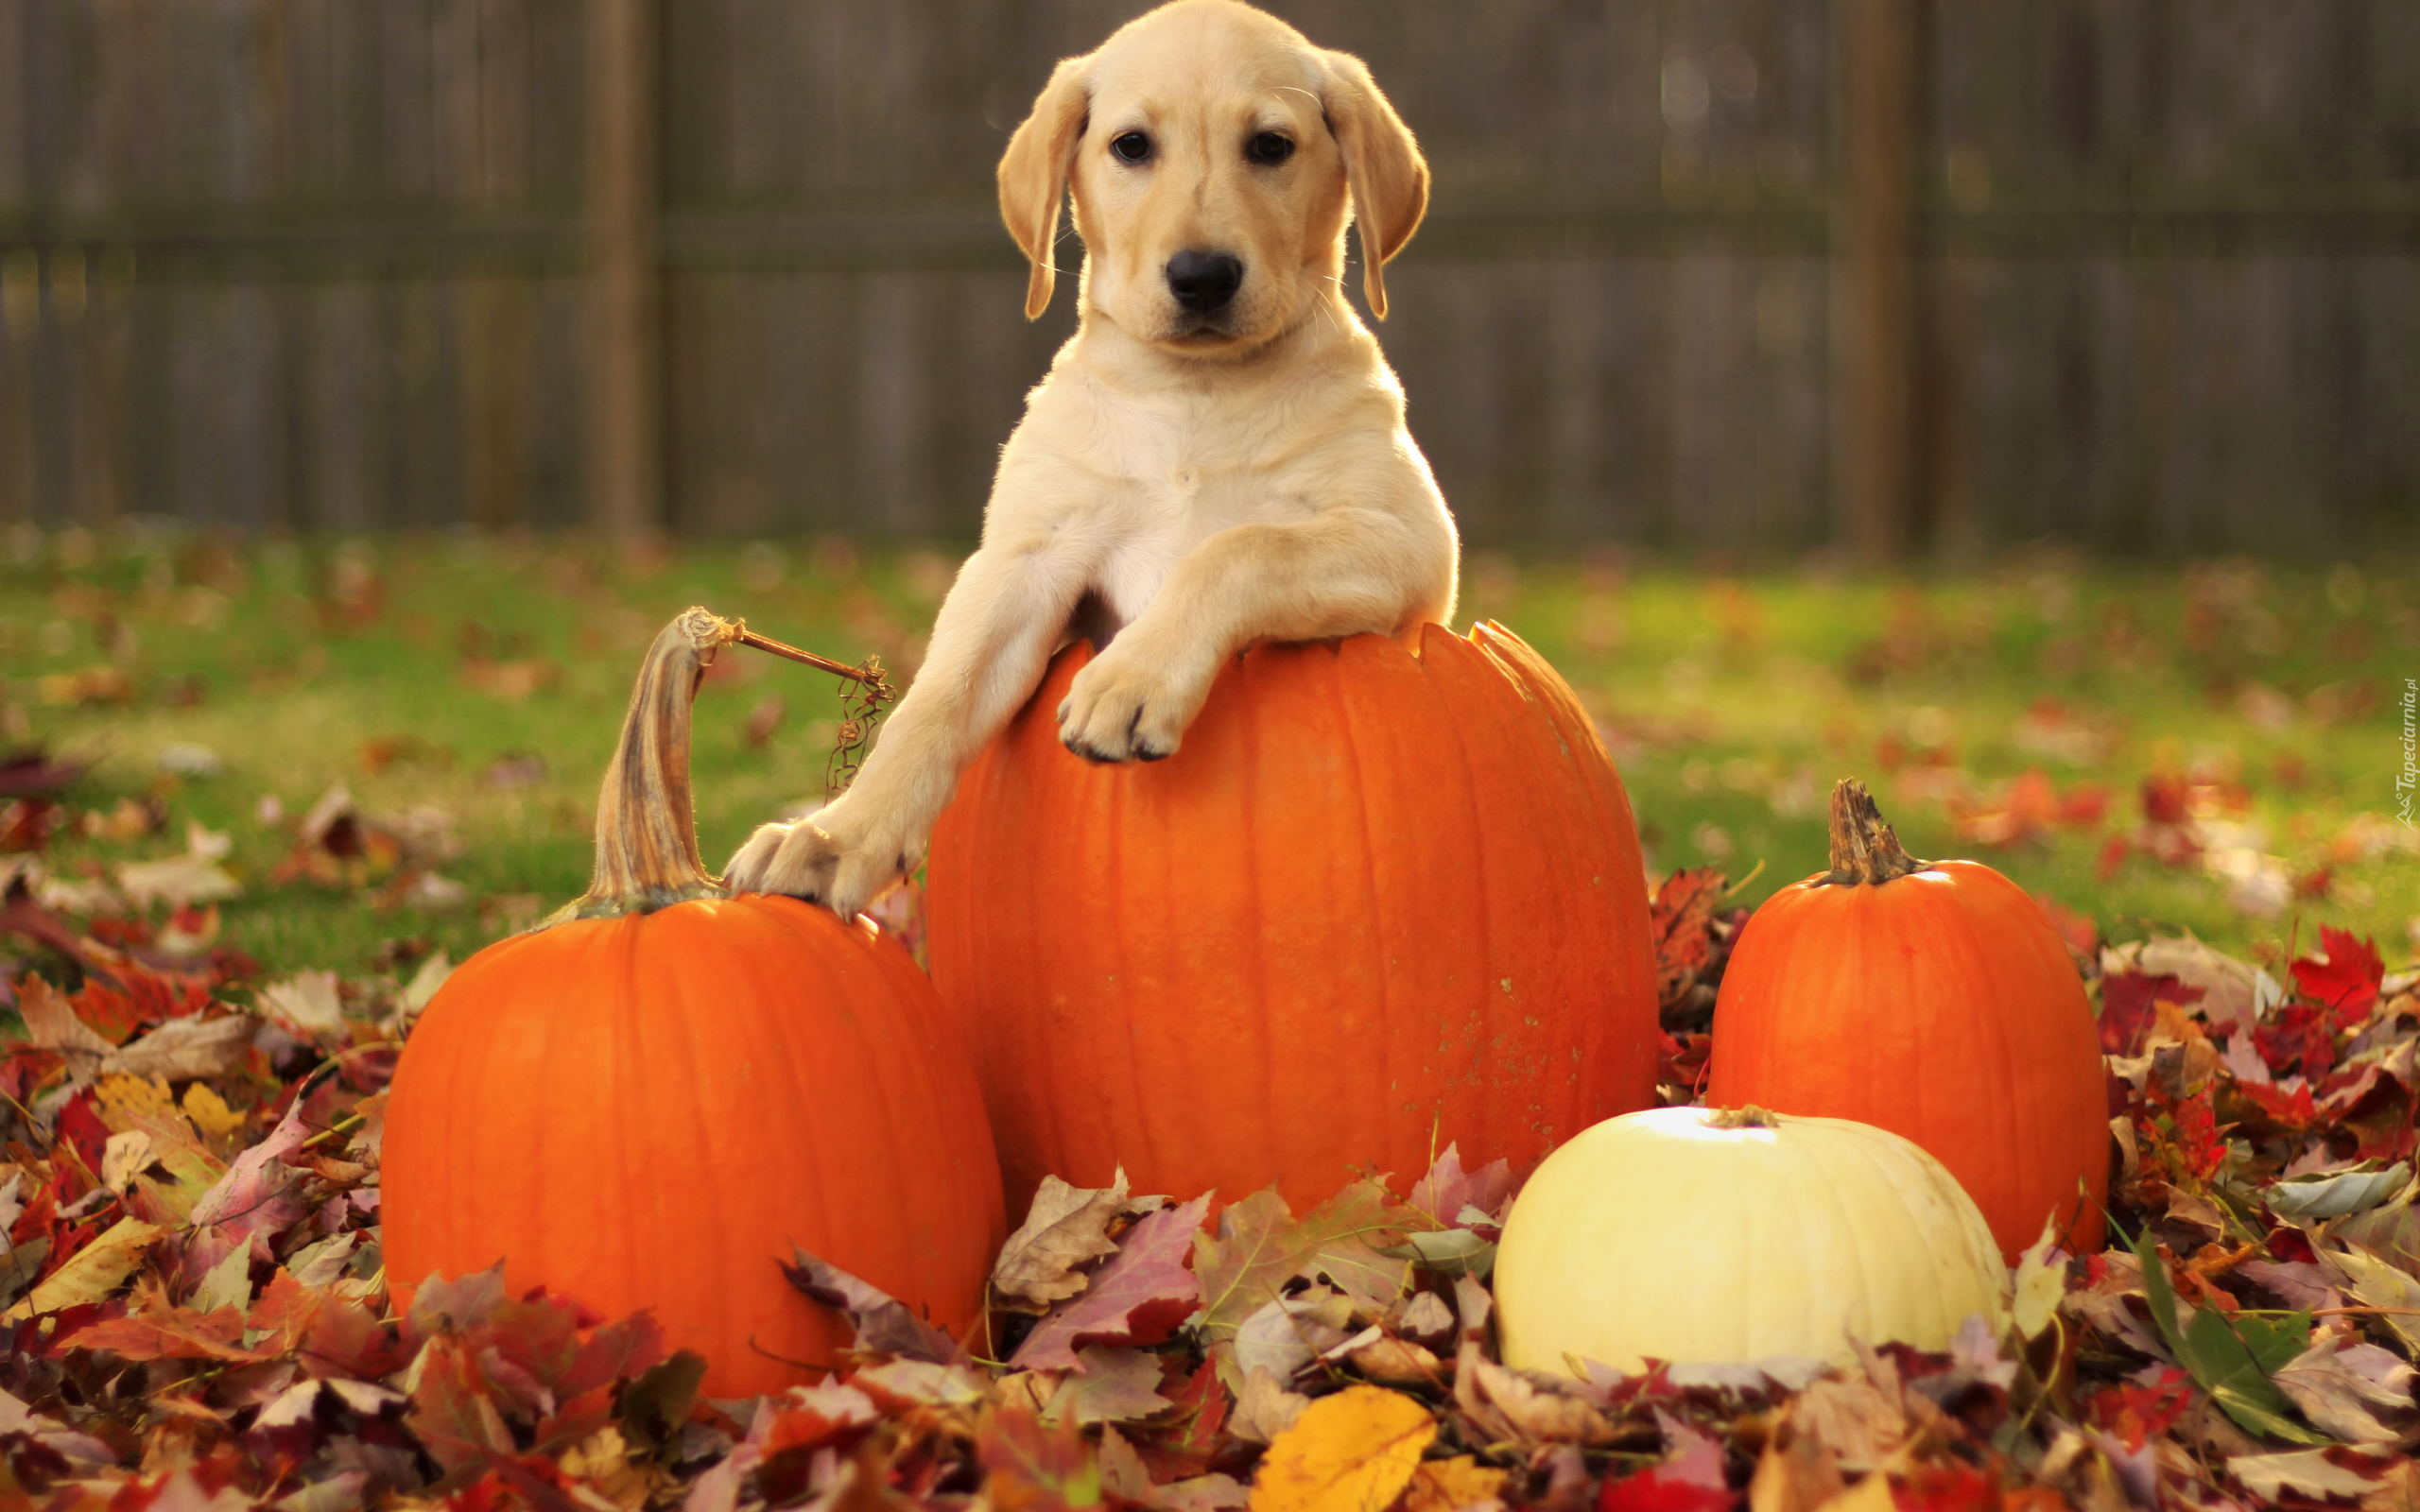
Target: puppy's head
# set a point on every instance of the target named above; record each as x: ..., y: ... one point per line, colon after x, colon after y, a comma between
x: 1215, y: 156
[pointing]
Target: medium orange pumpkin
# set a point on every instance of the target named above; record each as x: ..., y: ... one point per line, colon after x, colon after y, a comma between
x: 649, y: 1100
x: 1933, y: 999
x: 1381, y: 900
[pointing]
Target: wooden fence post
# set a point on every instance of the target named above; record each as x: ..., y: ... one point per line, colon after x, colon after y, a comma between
x: 1873, y: 318
x: 626, y: 417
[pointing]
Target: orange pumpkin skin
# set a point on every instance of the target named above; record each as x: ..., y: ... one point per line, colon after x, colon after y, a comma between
x: 1941, y: 1005
x: 1376, y: 902
x: 646, y: 1111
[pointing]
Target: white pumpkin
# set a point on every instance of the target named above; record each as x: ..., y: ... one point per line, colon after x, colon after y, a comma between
x: 1686, y: 1234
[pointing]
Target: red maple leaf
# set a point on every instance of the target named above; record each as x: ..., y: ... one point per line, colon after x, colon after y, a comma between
x: 1682, y: 920
x: 2298, y: 1032
x: 1953, y: 1486
x: 2198, y: 1142
x: 2292, y: 1110
x: 2138, y: 1414
x: 1138, y: 1297
x: 165, y: 1332
x: 2127, y: 1000
x: 1690, y: 1480
x: 1447, y: 1189
x: 2344, y: 977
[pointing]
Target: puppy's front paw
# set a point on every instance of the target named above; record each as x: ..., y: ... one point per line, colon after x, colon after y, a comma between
x: 837, y: 862
x: 1126, y: 708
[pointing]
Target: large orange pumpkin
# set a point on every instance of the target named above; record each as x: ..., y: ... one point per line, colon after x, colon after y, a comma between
x: 1933, y: 999
x: 1381, y: 898
x: 648, y: 1101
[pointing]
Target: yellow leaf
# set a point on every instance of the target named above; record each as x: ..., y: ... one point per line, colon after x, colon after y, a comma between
x: 1872, y: 1494
x: 210, y: 1112
x: 92, y: 1273
x: 2040, y: 1282
x: 1449, y: 1484
x: 126, y: 1101
x: 1354, y: 1452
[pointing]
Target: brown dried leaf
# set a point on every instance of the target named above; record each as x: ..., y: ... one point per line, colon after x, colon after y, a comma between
x: 1067, y: 1229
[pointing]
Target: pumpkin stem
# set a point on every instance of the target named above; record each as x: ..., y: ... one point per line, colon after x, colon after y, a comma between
x: 1864, y: 848
x: 647, y: 832
x: 646, y: 828
x: 1749, y: 1116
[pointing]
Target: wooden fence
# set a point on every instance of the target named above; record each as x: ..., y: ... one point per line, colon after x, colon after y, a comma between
x: 343, y: 265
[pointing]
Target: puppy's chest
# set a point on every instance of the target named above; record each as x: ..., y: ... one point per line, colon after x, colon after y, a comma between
x: 1180, y: 482
x: 1176, y: 497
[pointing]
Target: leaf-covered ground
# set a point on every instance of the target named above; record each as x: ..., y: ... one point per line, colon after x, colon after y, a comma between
x: 196, y: 1314
x: 261, y: 798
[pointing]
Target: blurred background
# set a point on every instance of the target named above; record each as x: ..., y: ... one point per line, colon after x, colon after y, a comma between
x: 1748, y: 277
x: 2012, y: 403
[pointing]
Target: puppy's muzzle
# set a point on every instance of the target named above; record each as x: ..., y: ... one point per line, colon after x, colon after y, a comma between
x: 1205, y: 282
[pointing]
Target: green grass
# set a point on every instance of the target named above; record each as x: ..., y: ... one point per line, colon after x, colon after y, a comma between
x: 1734, y: 702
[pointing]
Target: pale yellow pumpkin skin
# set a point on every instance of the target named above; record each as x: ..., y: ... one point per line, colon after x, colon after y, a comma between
x: 1662, y: 1236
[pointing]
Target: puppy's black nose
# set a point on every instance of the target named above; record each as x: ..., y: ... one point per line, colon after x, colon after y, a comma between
x: 1204, y: 282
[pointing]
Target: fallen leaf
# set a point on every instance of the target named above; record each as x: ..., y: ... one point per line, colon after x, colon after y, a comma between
x: 453, y: 1413
x: 1852, y: 1419
x: 1450, y: 1484
x: 2311, y: 1198
x: 256, y: 1193
x: 2341, y: 1387
x: 1138, y: 1297
x: 93, y: 1272
x: 308, y: 1001
x: 1290, y: 1333
x: 1264, y: 1408
x: 2307, y: 1472
x: 1690, y: 1479
x: 165, y: 1332
x: 2041, y: 1281
x: 1036, y: 1467
x: 1344, y: 1238
x: 184, y: 1048
x: 1067, y: 1227
x: 1447, y: 1189
x: 179, y: 882
x: 1243, y: 1263
x: 883, y: 1324
x: 1796, y: 1472
x: 2393, y: 1291
x: 1123, y: 1474
x: 1550, y: 1416
x: 1353, y: 1452
x: 1109, y: 1385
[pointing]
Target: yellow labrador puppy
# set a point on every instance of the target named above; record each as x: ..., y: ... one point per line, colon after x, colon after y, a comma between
x: 1217, y: 457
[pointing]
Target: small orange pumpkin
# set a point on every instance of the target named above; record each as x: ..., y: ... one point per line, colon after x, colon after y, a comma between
x: 647, y: 1101
x: 1378, y: 900
x: 1933, y: 999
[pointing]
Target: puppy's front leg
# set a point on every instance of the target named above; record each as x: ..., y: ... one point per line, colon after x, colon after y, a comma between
x: 990, y: 642
x: 1342, y: 572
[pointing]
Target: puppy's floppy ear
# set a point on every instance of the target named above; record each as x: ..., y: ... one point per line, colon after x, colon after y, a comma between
x: 1382, y: 166
x: 1033, y: 172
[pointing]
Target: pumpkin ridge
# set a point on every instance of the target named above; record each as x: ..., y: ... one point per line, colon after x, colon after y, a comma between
x: 1129, y: 1090
x: 818, y: 1192
x: 1481, y: 892
x: 2020, y: 1118
x: 672, y: 1031
x: 1340, y: 698
x: 1265, y: 1117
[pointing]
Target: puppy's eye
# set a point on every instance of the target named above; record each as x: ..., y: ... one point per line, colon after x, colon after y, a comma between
x: 1269, y: 149
x: 1133, y: 147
